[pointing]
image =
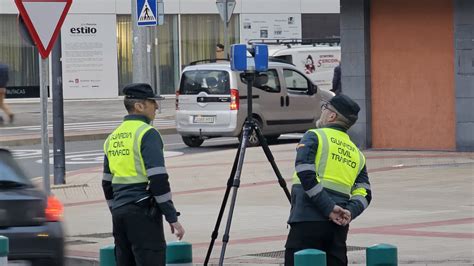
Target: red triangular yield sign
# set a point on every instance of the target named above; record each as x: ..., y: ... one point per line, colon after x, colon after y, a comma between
x: 44, y: 19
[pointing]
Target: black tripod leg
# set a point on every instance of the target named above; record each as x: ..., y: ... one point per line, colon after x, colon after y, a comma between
x: 221, y: 211
x: 271, y: 159
x: 235, y: 185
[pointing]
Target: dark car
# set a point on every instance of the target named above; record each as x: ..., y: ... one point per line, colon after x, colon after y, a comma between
x: 29, y: 218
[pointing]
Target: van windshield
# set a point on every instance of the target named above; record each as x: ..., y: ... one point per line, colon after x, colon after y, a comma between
x: 209, y: 81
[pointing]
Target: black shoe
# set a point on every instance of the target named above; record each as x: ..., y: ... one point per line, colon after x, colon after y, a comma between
x: 12, y: 117
x: 1, y: 120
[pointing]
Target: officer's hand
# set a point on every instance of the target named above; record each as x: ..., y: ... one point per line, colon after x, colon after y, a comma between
x: 337, y: 215
x: 177, y: 229
x: 346, y: 217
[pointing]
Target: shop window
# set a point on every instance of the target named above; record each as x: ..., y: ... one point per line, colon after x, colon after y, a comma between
x: 21, y: 58
x: 200, y: 34
x: 164, y: 56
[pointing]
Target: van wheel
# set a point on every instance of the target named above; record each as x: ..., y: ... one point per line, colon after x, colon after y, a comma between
x: 192, y: 141
x: 253, y: 137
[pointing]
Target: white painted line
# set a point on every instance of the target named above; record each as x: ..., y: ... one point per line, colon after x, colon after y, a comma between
x: 158, y: 120
x: 97, y: 158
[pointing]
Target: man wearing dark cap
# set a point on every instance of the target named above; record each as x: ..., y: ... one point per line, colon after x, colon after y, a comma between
x: 330, y: 184
x: 135, y: 183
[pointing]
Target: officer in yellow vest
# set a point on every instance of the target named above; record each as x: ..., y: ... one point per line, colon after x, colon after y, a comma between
x: 135, y: 183
x: 330, y: 184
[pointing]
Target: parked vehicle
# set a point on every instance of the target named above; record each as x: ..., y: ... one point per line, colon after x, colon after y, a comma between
x: 212, y: 102
x: 317, y: 62
x: 29, y: 218
x: 317, y: 58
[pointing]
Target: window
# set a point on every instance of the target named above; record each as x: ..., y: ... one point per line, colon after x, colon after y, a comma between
x: 10, y: 171
x: 22, y: 58
x: 200, y: 34
x: 295, y: 81
x: 209, y: 81
x: 272, y: 84
x: 165, y: 55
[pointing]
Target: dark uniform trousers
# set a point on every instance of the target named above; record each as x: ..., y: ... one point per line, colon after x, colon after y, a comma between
x: 325, y: 236
x: 139, y: 236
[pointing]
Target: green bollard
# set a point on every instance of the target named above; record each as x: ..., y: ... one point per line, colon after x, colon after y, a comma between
x: 310, y: 257
x: 107, y: 256
x: 3, y: 251
x: 382, y: 255
x: 179, y: 253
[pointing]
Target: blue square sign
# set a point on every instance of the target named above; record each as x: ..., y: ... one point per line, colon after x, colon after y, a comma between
x: 146, y: 13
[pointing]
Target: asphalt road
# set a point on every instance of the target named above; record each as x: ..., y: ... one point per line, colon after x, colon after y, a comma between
x: 86, y: 154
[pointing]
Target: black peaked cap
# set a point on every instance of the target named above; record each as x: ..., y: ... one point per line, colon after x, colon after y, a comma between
x: 140, y: 91
x: 345, y: 106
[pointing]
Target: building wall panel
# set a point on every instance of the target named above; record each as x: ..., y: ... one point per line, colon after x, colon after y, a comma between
x: 412, y: 62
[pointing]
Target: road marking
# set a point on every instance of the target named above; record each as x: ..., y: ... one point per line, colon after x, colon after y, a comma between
x: 96, y: 124
x: 96, y: 157
x: 292, y: 136
x: 35, y: 153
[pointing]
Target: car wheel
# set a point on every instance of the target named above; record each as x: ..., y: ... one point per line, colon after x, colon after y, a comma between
x: 192, y: 141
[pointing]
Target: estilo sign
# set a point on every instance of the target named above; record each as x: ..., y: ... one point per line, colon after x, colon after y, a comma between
x: 43, y: 19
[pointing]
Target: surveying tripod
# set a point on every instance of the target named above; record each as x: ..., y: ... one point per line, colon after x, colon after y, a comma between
x: 250, y: 125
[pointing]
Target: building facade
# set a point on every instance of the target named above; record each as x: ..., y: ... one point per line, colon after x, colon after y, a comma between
x: 410, y: 65
x: 96, y: 40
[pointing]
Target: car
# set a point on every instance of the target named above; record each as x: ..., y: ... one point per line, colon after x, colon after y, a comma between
x: 29, y: 218
x: 212, y: 102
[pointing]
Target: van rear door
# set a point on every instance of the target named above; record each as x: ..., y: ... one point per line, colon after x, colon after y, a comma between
x: 204, y: 98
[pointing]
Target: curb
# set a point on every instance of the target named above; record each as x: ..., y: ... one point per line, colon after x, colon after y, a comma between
x: 98, y: 135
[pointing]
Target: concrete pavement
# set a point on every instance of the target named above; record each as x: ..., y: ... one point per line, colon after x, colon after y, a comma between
x: 423, y: 204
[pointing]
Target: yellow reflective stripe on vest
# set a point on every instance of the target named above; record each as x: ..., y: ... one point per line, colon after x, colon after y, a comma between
x: 338, y: 161
x: 123, y: 150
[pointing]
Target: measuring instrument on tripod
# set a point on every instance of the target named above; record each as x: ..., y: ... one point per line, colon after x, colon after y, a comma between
x: 253, y: 72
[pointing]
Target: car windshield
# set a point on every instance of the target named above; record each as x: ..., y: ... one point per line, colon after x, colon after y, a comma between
x: 10, y: 173
x: 209, y: 81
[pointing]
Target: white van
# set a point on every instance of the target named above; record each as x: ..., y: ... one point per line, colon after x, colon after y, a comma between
x: 212, y: 102
x: 317, y: 62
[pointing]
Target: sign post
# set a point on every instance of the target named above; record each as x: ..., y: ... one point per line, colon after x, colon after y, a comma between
x: 160, y: 12
x: 144, y: 15
x: 43, y: 19
x: 226, y: 8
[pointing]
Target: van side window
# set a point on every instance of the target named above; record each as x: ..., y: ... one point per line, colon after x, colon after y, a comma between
x: 273, y: 83
x: 295, y: 81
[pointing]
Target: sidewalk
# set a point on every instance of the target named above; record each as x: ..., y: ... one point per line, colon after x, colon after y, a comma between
x: 422, y: 203
x: 76, y: 113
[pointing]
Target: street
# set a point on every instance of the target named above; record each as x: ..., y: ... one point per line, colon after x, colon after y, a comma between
x: 86, y: 154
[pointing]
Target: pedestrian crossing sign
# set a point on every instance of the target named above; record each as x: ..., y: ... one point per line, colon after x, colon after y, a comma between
x: 146, y: 13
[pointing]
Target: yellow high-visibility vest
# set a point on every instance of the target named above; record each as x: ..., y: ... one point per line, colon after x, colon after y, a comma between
x: 338, y: 162
x: 123, y: 150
